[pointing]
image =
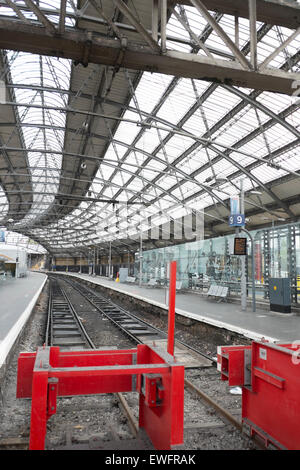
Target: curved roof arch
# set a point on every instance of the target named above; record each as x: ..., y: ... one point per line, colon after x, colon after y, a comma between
x: 104, y: 149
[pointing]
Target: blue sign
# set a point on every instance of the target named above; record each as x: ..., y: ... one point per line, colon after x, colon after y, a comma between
x: 2, y: 236
x: 237, y: 220
x: 235, y: 205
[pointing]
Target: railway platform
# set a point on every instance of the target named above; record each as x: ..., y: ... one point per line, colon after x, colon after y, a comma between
x: 17, y: 300
x: 272, y: 326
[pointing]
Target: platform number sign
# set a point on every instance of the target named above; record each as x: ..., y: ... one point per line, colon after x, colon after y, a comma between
x: 237, y: 220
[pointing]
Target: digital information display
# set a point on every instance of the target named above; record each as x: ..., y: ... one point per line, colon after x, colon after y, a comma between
x: 240, y: 246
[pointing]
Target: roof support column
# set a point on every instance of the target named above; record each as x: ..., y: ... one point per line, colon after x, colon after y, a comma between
x: 155, y: 20
x: 163, y: 26
x: 253, y: 33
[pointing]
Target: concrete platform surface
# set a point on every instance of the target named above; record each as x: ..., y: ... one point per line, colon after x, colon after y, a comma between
x: 17, y: 299
x: 272, y: 326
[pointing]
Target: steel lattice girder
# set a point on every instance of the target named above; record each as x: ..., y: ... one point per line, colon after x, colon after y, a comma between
x: 87, y: 48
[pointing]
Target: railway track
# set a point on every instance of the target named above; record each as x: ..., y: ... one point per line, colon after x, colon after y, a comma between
x: 64, y: 328
x: 139, y: 330
x: 211, y: 415
x: 132, y: 326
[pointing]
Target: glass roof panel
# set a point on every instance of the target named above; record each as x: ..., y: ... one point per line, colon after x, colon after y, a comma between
x: 151, y: 155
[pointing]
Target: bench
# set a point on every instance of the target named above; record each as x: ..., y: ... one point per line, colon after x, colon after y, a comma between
x: 130, y: 279
x: 153, y: 283
x: 218, y: 291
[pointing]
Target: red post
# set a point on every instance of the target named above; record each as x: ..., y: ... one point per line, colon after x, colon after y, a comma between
x: 38, y: 411
x: 171, y: 317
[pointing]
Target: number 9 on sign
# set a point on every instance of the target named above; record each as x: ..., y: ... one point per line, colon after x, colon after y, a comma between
x: 237, y: 220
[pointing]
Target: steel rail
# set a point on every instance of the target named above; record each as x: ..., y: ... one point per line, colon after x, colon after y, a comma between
x: 92, y: 298
x: 223, y: 412
x: 133, y: 424
x: 78, y: 320
x: 214, y: 404
x: 86, y: 292
x: 61, y: 310
x: 130, y: 315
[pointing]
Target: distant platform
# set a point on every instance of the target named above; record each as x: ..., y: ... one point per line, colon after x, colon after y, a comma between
x: 272, y: 326
x: 17, y: 300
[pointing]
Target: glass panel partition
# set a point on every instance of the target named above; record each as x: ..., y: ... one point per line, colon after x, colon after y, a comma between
x: 205, y: 262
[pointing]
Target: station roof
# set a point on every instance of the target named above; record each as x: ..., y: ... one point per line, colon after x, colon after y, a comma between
x: 92, y: 154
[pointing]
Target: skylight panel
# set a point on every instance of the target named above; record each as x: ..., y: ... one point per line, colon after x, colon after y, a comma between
x: 195, y: 124
x: 150, y: 90
x: 273, y: 39
x: 178, y: 102
x: 276, y: 103
x: 29, y: 69
x: 289, y: 160
x: 177, y: 145
x: 265, y: 173
x: 127, y: 131
x: 151, y: 139
x: 294, y: 119
x: 242, y: 159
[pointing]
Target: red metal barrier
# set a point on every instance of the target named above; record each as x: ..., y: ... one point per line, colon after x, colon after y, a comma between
x: 269, y: 375
x: 50, y: 373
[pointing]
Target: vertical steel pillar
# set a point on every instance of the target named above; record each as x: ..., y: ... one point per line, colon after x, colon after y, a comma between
x: 252, y: 269
x: 266, y: 240
x: 163, y: 25
x: 155, y: 20
x: 109, y: 261
x: 279, y: 252
x: 141, y: 258
x: 292, y: 261
x: 243, y: 258
x: 236, y: 31
x: 171, y: 316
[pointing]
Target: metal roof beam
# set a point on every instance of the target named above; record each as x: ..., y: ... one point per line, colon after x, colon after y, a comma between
x: 41, y: 17
x: 275, y: 12
x: 86, y: 48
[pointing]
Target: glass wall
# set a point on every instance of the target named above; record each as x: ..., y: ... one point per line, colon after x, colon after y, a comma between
x: 205, y: 262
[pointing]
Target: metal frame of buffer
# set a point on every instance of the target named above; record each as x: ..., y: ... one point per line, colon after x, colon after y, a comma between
x: 50, y: 373
x: 269, y: 375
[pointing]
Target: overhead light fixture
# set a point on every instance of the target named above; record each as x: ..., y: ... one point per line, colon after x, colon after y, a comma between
x: 255, y: 192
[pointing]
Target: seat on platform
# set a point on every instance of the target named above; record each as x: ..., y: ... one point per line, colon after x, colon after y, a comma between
x: 153, y: 283
x: 218, y: 291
